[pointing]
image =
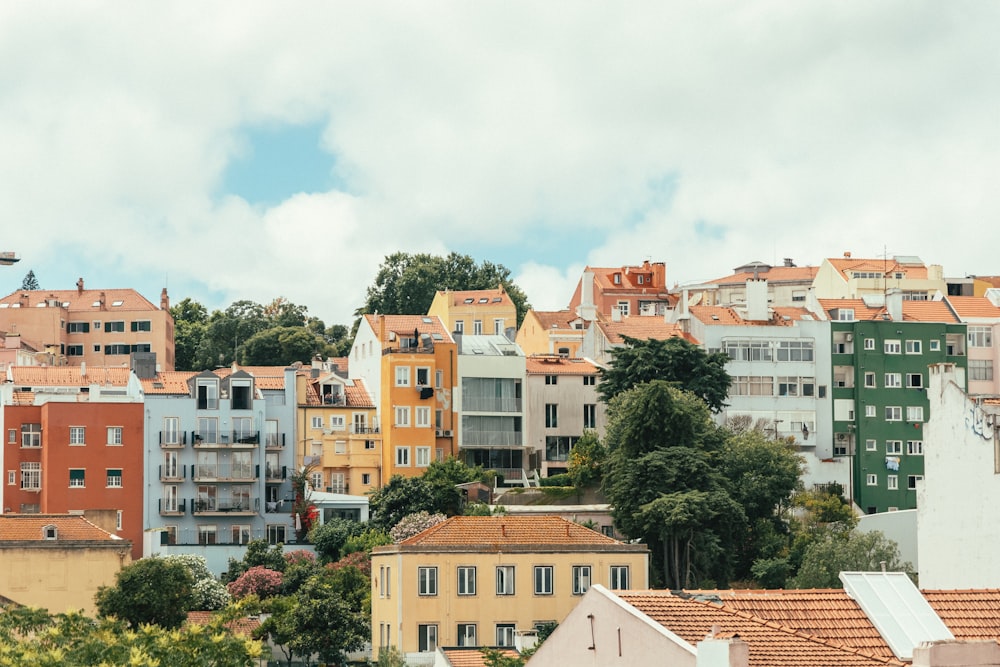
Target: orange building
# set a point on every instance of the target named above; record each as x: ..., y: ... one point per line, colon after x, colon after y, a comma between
x: 409, y: 364
x: 74, y: 441
x: 94, y: 327
x: 627, y: 290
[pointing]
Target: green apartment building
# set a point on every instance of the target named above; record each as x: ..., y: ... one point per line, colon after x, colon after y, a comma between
x: 880, y: 354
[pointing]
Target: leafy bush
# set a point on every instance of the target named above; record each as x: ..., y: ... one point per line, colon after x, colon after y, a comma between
x: 259, y: 581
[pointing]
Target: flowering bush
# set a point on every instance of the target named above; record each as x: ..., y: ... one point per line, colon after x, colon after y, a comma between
x: 259, y: 581
x: 208, y: 593
x: 412, y: 524
x: 299, y: 556
x: 359, y: 559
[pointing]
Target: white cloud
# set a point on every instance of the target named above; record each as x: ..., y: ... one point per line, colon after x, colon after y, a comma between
x: 786, y: 130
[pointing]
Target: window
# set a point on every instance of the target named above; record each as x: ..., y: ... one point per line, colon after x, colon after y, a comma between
x: 618, y: 279
x: 422, y: 456
x: 869, y: 411
x: 171, y: 431
x: 142, y: 325
x: 892, y: 482
x: 438, y: 379
x: 505, y: 634
x: 402, y: 376
x: 914, y: 347
x: 427, y: 581
x: 794, y: 350
x: 551, y: 379
x: 74, y: 350
x: 893, y: 380
x: 935, y: 345
x: 77, y: 435
x: 11, y: 477
x: 477, y: 327
x: 915, y: 447
x: 916, y: 380
x: 316, y: 480
x: 169, y: 501
x: 498, y: 326
x: 275, y: 533
x: 505, y: 579
x: 403, y: 457
x: 871, y: 479
x: 893, y: 446
x: 911, y: 481
x: 980, y: 369
x: 115, y: 327
x: 893, y: 413
x: 422, y: 416
x: 589, y: 415
x: 317, y: 422
x: 208, y: 395
x: 623, y: 308
x: 467, y: 634
x: 551, y: 415
x: 589, y: 380
x: 869, y: 343
x: 980, y: 336
x: 78, y: 327
x: 543, y: 580
x: 619, y: 577
x: 891, y: 347
x: 459, y: 326
x: 871, y: 445
x: 914, y: 413
x: 31, y: 435
x: 402, y: 413
x: 427, y: 638
x: 466, y: 580
x: 77, y: 478
x: 366, y: 478
x: 369, y: 444
x: 206, y: 534
x: 581, y: 579
x: 114, y: 478
x: 12, y: 435
x: 114, y: 435
x: 239, y: 534
x: 337, y: 423
x: 870, y: 380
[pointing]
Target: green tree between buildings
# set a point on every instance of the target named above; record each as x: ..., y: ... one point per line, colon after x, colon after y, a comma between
x: 154, y: 591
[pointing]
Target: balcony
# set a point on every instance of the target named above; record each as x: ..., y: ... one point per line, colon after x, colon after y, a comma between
x: 171, y: 508
x: 225, y: 505
x: 173, y: 439
x: 476, y: 438
x: 225, y: 472
x: 274, y: 440
x: 364, y: 429
x: 275, y: 473
x: 230, y: 440
x: 172, y: 473
x: 490, y: 404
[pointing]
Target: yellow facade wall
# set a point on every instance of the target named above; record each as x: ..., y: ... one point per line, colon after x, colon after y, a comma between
x: 60, y: 579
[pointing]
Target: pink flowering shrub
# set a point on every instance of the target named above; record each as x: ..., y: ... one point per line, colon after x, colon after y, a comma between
x: 257, y: 580
x: 359, y: 559
x: 411, y: 524
x: 299, y: 556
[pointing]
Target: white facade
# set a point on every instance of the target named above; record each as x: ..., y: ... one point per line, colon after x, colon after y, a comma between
x: 958, y: 534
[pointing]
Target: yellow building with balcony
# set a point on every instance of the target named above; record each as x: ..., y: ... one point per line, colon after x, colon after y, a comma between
x: 479, y: 581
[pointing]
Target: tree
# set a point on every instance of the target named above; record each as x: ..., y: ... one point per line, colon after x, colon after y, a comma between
x: 258, y: 553
x: 586, y: 460
x: 444, y: 476
x: 406, y: 283
x: 400, y: 497
x: 258, y: 581
x: 30, y: 282
x: 412, y: 524
x: 208, y: 593
x: 852, y: 551
x: 330, y: 538
x: 149, y: 591
x: 280, y: 346
x: 683, y: 364
x: 663, y: 484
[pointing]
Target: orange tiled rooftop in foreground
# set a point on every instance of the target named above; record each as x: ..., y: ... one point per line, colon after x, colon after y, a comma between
x: 471, y: 657
x: 498, y: 531
x: 69, y: 527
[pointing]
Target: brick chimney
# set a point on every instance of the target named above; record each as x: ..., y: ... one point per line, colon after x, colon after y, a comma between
x: 79, y: 286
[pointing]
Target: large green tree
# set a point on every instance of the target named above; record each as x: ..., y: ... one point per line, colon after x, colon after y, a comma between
x: 399, y: 497
x: 665, y: 488
x: 149, y: 591
x: 848, y: 551
x: 30, y: 282
x: 673, y: 360
x: 190, y: 320
x: 406, y: 283
x: 280, y: 346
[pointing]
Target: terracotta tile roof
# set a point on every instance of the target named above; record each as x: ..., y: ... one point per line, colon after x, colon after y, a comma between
x: 508, y: 530
x: 641, y: 328
x: 69, y: 376
x: 969, y: 614
x: 83, y: 301
x: 847, y: 265
x: 828, y: 613
x: 604, y: 278
x: 553, y: 364
x: 265, y: 377
x: 168, y: 382
x: 991, y: 280
x: 405, y: 325
x: 792, y: 313
x: 358, y: 396
x: 69, y: 527
x: 471, y: 657
x: 23, y: 398
x: 771, y: 643
x: 927, y: 311
x: 556, y: 319
x: 861, y: 311
x: 974, y: 307
x: 776, y: 274
x: 493, y: 297
x: 241, y: 626
x: 341, y: 363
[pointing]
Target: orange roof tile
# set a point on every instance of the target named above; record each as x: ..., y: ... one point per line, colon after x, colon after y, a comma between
x: 492, y: 296
x: 776, y: 274
x: 69, y: 527
x: 241, y: 626
x: 604, y: 278
x: 553, y: 364
x: 557, y: 319
x: 992, y: 280
x: 969, y: 614
x: 76, y: 300
x: 861, y: 310
x: 358, y: 396
x: 471, y: 657
x: 641, y: 328
x: 505, y: 531
x: 771, y: 644
x: 168, y: 382
x: 69, y: 376
x: 927, y: 311
x: 969, y: 307
x: 847, y: 265
x: 265, y: 377
x: 405, y: 325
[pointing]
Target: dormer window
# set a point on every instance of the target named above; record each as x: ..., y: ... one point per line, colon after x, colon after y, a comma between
x: 618, y: 279
x: 640, y: 279
x: 333, y: 394
x: 241, y: 393
x: 208, y: 394
x: 50, y: 532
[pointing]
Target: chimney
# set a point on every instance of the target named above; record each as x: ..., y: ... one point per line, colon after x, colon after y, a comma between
x: 164, y: 300
x: 587, y: 311
x: 951, y: 653
x: 894, y: 304
x: 616, y: 314
x: 757, y: 300
x: 659, y: 275
x: 714, y: 651
x: 83, y: 369
x: 789, y: 263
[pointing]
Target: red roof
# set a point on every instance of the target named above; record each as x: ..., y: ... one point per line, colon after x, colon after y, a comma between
x: 847, y: 265
x: 241, y: 626
x: 556, y: 319
x: 405, y: 325
x: 640, y: 328
x: 69, y: 528
x: 168, y: 382
x: 77, y: 301
x: 775, y: 274
x: 974, y: 307
x: 500, y: 531
x: 492, y: 297
x: 471, y: 657
x: 553, y: 364
x: 69, y: 376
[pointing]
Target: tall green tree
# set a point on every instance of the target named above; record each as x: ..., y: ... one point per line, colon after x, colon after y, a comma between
x: 149, y: 591
x: 665, y: 488
x: 30, y: 282
x: 398, y: 498
x: 848, y: 551
x: 280, y: 346
x: 190, y: 321
x: 673, y: 360
x: 406, y: 283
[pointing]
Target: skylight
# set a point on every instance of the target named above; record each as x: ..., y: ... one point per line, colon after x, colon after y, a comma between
x: 117, y: 303
x: 469, y: 300
x: 484, y: 300
x: 427, y: 320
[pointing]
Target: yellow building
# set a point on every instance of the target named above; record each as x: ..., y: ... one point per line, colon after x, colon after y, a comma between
x: 339, y: 428
x: 478, y: 581
x: 58, y: 561
x: 409, y: 364
x: 551, y: 332
x: 475, y: 312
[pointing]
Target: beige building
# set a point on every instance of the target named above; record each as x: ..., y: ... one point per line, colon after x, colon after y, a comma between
x: 97, y: 327
x: 551, y: 332
x: 475, y: 312
x: 479, y: 581
x: 58, y: 561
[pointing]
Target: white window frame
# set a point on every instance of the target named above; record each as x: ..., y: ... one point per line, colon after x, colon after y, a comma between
x: 467, y: 635
x: 934, y: 346
x: 422, y: 417
x: 543, y: 576
x: 31, y: 475
x: 31, y: 436
x: 402, y: 376
x: 402, y: 416
x: 893, y: 380
x: 115, y: 436
x: 498, y: 326
x: 871, y: 479
x: 466, y: 580
x: 317, y: 422
x: 892, y: 346
x: 914, y: 347
x: 980, y: 336
x: 338, y: 423
x: 869, y: 411
x: 915, y: 447
x: 78, y: 483
x: 871, y: 445
x: 893, y: 446
x: 113, y: 481
x: 869, y: 344
x: 910, y: 384
x: 893, y: 413
x: 421, y: 456
x: 619, y: 577
x: 505, y: 575
x: 427, y: 580
x: 914, y: 413
x: 892, y: 482
x: 869, y: 380
x: 477, y: 327
x: 505, y: 634
x: 427, y: 637
x: 402, y: 456
x: 911, y: 481
x: 581, y: 579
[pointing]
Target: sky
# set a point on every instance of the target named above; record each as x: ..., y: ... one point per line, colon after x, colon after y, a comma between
x: 251, y: 150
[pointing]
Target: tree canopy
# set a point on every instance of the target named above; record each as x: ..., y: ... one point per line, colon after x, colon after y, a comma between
x: 848, y: 551
x: 673, y: 360
x: 406, y: 282
x: 154, y: 591
x: 30, y: 282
